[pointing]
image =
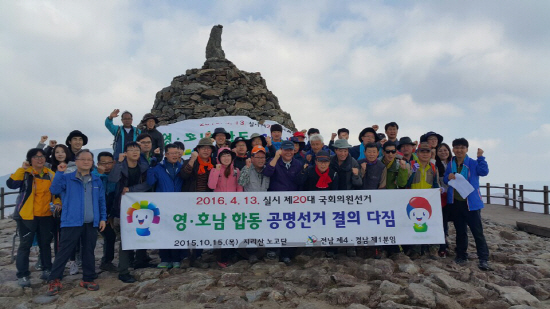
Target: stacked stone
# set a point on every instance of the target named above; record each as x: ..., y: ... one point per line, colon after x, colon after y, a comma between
x: 218, y: 89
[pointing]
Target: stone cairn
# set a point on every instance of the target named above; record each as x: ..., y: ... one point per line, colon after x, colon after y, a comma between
x: 218, y: 89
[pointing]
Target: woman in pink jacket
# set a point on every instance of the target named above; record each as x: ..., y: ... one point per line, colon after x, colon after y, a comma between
x: 225, y: 178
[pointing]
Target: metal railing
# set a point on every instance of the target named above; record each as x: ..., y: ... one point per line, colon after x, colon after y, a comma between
x: 518, y: 194
x: 3, y: 205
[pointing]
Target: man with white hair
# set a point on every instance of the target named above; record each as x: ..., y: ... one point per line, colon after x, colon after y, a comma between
x: 317, y: 144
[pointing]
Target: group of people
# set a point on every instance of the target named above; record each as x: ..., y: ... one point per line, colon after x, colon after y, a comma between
x: 67, y: 196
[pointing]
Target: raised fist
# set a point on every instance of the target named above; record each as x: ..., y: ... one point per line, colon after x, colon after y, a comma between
x: 114, y: 113
x: 305, y: 166
x: 43, y: 139
x: 333, y: 136
x: 156, y: 151
x: 52, y: 143
x: 479, y: 152
x: 62, y: 167
x: 121, y: 157
x: 355, y: 170
x: 248, y: 162
x: 278, y: 153
x: 208, y: 134
x: 218, y: 166
x: 268, y: 140
x: 402, y: 164
x: 194, y: 155
x: 100, y: 169
x: 25, y: 165
x: 375, y: 127
x: 309, y: 157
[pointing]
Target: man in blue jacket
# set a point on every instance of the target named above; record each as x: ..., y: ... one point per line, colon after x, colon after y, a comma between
x: 164, y: 177
x: 83, y: 212
x: 123, y: 134
x: 466, y: 210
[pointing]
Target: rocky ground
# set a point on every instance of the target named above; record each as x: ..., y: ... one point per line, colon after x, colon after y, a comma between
x: 521, y: 279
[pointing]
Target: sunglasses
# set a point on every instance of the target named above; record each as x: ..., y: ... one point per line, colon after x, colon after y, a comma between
x: 390, y: 151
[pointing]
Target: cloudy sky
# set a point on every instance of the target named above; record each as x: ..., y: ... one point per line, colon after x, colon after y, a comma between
x: 463, y: 68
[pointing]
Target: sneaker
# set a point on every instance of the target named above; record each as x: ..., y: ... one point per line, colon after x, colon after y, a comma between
x: 223, y: 264
x: 73, y: 268
x: 286, y: 260
x: 166, y: 265
x: 350, y: 252
x: 38, y: 265
x: 24, y: 282
x: 127, y: 278
x: 484, y: 265
x: 461, y: 261
x: 271, y: 255
x: 443, y: 254
x: 45, y: 275
x: 54, y: 287
x: 90, y: 286
x: 253, y: 259
x: 176, y: 264
x: 110, y: 267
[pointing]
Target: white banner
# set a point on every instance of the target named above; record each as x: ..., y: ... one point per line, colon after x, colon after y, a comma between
x: 281, y: 219
x: 189, y: 132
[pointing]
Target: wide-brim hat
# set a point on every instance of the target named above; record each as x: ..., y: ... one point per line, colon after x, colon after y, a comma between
x: 221, y: 130
x: 405, y: 141
x: 225, y: 150
x: 341, y: 144
x: 295, y: 140
x: 253, y: 136
x: 149, y: 116
x: 76, y: 133
x: 368, y: 129
x: 205, y: 141
x: 424, y: 138
x: 240, y: 139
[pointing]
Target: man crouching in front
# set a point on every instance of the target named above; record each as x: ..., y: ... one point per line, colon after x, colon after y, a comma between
x: 83, y: 211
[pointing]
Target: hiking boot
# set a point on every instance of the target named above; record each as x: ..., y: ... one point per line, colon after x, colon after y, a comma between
x: 54, y: 286
x: 144, y: 265
x: 484, y: 265
x: 166, y: 265
x: 127, y: 278
x: 90, y: 286
x: 110, y: 267
x: 78, y: 259
x: 24, y: 282
x: 45, y: 275
x: 350, y: 252
x: 460, y: 261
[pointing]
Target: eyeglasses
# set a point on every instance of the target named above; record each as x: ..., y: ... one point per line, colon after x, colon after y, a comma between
x: 105, y: 163
x: 85, y: 160
x: 38, y: 157
x: 423, y: 150
x: 390, y: 151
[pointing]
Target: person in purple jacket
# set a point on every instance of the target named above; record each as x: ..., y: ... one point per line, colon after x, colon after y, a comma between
x: 283, y: 171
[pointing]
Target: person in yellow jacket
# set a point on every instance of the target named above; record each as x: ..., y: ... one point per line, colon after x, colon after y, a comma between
x: 33, y: 212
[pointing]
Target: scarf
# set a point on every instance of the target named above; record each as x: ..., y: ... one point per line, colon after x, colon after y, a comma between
x: 465, y: 168
x: 324, y: 179
x: 361, y: 152
x: 203, y: 164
